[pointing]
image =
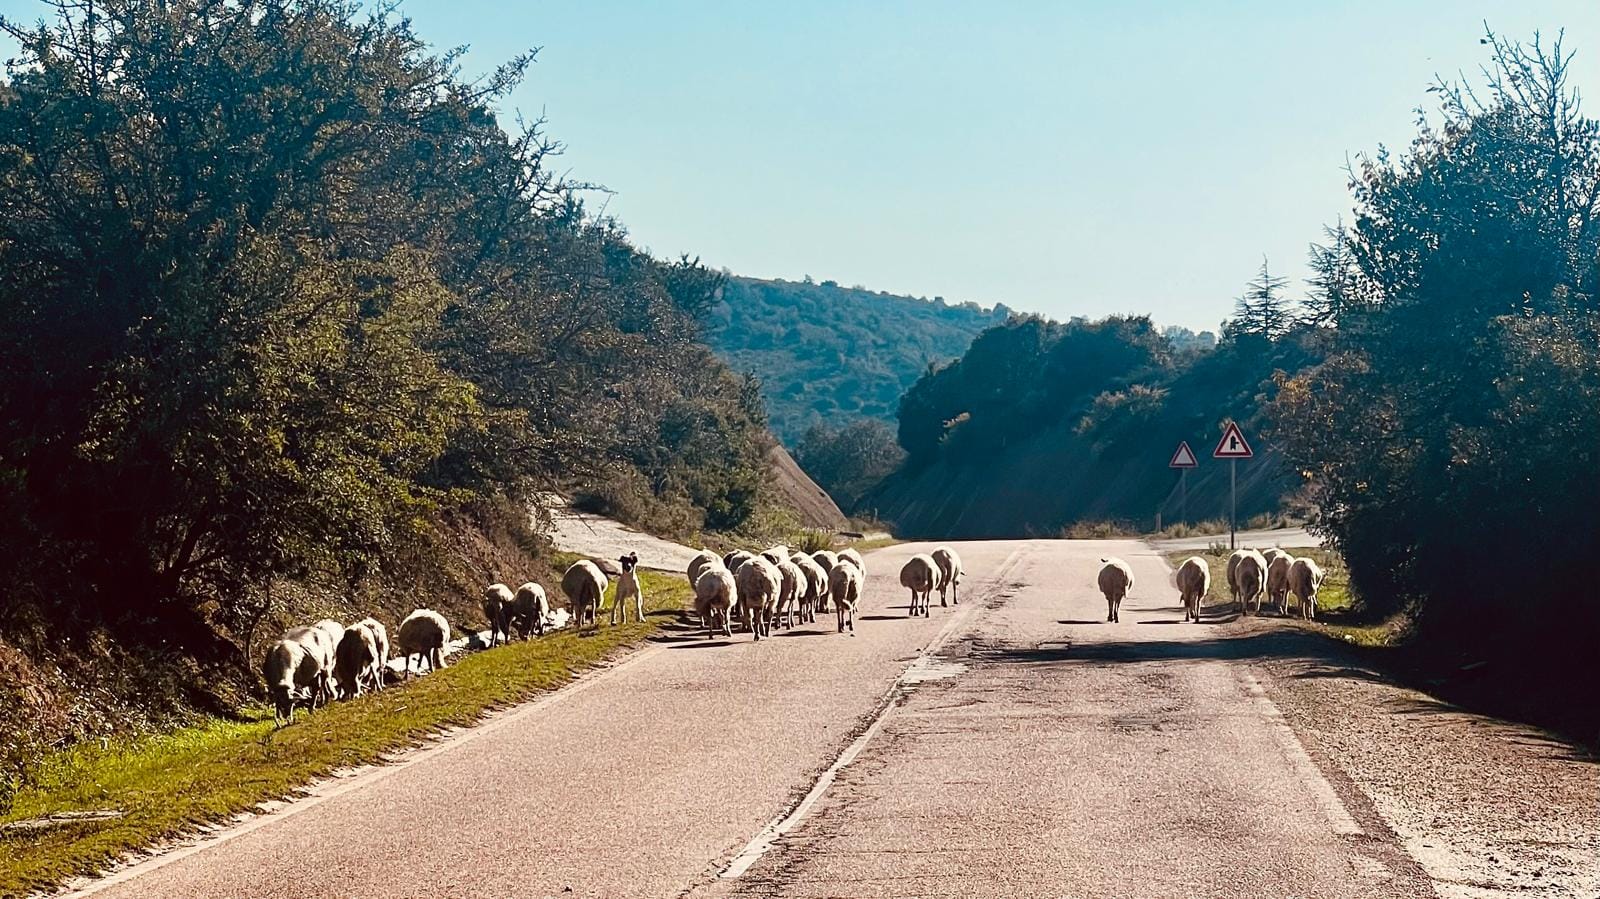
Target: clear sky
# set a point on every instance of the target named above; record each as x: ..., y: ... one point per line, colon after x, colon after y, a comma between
x: 1063, y: 158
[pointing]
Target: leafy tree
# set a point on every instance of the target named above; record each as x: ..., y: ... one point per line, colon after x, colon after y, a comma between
x: 849, y: 461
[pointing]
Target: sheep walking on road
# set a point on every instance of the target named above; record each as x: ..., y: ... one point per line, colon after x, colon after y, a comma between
x: 423, y: 635
x: 585, y: 586
x: 1116, y: 580
x: 529, y: 608
x: 1194, y: 582
x: 791, y: 593
x: 844, y: 586
x: 699, y: 562
x: 1252, y: 577
x: 1233, y: 575
x: 497, y: 603
x: 949, y: 574
x: 919, y: 575
x: 816, y: 587
x: 850, y: 555
x: 760, y: 584
x: 826, y: 559
x: 628, y: 588
x: 1305, y: 579
x: 1278, y: 580
x: 714, y: 595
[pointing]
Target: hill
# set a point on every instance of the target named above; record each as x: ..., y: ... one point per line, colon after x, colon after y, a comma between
x: 837, y: 354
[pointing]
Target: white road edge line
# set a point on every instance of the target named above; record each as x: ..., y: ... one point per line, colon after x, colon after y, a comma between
x: 769, y: 835
x: 337, y: 785
x: 1327, y: 800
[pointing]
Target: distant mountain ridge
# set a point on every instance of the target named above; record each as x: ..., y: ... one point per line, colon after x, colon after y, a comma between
x: 829, y: 353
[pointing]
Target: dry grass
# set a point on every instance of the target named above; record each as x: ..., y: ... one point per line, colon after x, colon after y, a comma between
x: 166, y: 785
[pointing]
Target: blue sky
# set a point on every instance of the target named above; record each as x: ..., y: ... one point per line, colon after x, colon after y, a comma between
x: 1084, y: 158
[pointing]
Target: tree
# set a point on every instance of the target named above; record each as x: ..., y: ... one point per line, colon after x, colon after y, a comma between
x: 848, y: 462
x: 1262, y: 311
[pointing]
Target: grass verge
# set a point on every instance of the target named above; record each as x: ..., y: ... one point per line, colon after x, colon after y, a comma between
x: 165, y: 785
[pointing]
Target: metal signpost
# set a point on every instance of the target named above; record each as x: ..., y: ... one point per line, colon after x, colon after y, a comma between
x: 1183, y: 460
x: 1232, y: 447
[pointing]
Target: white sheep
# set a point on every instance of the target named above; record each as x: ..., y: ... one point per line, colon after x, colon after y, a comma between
x: 776, y: 554
x: 816, y: 591
x: 1278, y: 579
x: 1305, y: 579
x: 585, y: 587
x: 1194, y: 582
x: 353, y: 660
x: 628, y: 588
x: 850, y: 555
x: 1116, y: 581
x: 529, y: 608
x: 380, y: 638
x: 320, y: 647
x: 699, y: 562
x: 291, y: 673
x: 760, y: 583
x: 826, y: 559
x: 497, y: 602
x: 1270, y: 554
x: 738, y: 557
x: 714, y: 594
x: 1251, y: 574
x: 950, y: 573
x: 844, y: 586
x: 423, y: 634
x: 920, y: 574
x: 790, y: 593
x: 1233, y: 574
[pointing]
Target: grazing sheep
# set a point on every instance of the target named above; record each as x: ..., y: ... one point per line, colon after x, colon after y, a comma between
x: 714, y: 594
x: 949, y: 573
x: 1278, y: 580
x: 380, y: 638
x: 699, y: 562
x: 291, y: 672
x: 844, y: 585
x: 529, y: 608
x: 1252, y: 577
x: 320, y: 648
x: 760, y: 583
x: 497, y: 602
x: 826, y: 559
x: 790, y: 592
x: 353, y: 660
x: 423, y: 634
x: 628, y: 588
x: 1116, y: 580
x: 1305, y: 579
x: 334, y: 631
x: 854, y: 558
x: 1194, y: 582
x: 919, y: 575
x: 585, y: 587
x: 816, y: 589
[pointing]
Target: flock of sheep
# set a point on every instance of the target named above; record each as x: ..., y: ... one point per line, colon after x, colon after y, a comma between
x: 1250, y: 574
x: 780, y: 587
x: 321, y: 662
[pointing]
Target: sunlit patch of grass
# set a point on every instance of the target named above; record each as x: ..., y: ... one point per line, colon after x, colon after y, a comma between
x: 167, y: 784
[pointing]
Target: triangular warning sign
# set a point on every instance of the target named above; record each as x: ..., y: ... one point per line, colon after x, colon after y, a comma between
x: 1184, y: 457
x: 1232, y: 445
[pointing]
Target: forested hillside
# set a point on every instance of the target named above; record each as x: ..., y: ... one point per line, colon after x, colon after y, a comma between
x: 1043, y: 424
x: 826, y: 353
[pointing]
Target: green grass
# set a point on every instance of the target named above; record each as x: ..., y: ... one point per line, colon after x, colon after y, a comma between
x: 866, y: 546
x: 168, y: 784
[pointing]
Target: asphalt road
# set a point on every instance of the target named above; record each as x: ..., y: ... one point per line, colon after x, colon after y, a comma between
x: 1015, y: 745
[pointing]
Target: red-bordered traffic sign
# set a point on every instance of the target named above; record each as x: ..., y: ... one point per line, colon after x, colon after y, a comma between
x: 1232, y: 445
x: 1184, y: 457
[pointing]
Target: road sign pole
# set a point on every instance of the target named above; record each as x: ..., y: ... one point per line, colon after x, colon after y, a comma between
x: 1183, y: 495
x: 1233, y: 502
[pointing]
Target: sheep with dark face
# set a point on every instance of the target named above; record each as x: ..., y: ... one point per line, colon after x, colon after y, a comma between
x: 529, y: 608
x: 585, y: 586
x: 919, y: 575
x: 423, y: 635
x: 497, y: 602
x: 1115, y: 581
x: 628, y: 588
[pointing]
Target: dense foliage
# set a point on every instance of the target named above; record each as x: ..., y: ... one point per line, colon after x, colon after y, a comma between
x: 277, y: 289
x: 1452, y: 432
x: 833, y: 355
x: 1043, y: 424
x: 849, y: 461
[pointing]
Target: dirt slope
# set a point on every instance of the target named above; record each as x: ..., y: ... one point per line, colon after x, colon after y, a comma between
x: 809, y: 501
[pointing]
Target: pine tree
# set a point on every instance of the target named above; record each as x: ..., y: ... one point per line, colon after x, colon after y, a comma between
x: 1262, y: 310
x: 1333, y: 279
